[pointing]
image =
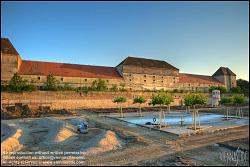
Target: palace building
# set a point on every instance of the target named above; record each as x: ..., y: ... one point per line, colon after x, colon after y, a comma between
x: 133, y: 73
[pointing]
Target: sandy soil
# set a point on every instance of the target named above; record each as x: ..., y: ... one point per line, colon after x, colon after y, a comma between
x: 112, y: 142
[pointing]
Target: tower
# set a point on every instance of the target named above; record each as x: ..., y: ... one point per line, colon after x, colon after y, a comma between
x: 226, y: 76
x: 10, y: 60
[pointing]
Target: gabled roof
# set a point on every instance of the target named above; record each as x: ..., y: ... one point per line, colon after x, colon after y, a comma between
x: 224, y: 71
x: 7, y: 47
x: 147, y: 63
x: 67, y: 70
x: 193, y: 78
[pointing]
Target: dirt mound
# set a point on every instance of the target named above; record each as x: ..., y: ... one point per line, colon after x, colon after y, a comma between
x: 24, y: 111
x: 63, y: 134
x: 12, y: 143
x: 109, y: 142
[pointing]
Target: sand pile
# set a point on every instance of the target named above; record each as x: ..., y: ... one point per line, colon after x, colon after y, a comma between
x: 12, y: 143
x: 109, y: 142
x: 63, y: 134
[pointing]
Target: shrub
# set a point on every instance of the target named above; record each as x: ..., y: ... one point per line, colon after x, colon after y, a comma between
x: 119, y: 99
x: 114, y: 88
x: 17, y: 84
x: 193, y: 99
x: 244, y: 86
x: 99, y: 85
x: 226, y: 100
x: 222, y: 89
x: 235, y: 90
x: 238, y: 99
x: 162, y: 98
x: 51, y: 83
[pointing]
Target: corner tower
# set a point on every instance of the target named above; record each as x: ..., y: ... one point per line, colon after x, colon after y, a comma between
x: 10, y: 60
x: 226, y: 76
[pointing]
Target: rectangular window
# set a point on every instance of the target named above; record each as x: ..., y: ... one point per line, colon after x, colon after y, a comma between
x: 145, y: 76
x: 85, y: 80
x: 107, y: 80
x: 38, y: 78
x: 61, y: 79
x: 144, y: 80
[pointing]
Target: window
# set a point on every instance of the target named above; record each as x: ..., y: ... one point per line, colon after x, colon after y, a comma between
x: 61, y: 79
x: 144, y: 80
x: 162, y: 81
x: 107, y: 80
x: 162, y: 77
x: 130, y: 80
x: 130, y: 75
x: 153, y: 76
x: 38, y: 78
x: 145, y: 76
x: 85, y: 80
x: 154, y: 80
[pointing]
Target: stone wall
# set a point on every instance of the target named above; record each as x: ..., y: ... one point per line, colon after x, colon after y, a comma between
x: 9, y: 66
x: 74, y: 100
x: 72, y: 81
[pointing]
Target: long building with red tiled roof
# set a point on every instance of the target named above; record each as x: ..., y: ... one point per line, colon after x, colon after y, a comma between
x: 67, y: 70
x: 133, y: 73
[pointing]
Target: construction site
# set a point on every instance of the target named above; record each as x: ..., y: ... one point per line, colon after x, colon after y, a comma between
x: 50, y: 137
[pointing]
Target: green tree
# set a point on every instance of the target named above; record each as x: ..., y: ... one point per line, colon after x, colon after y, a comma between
x: 222, y: 89
x: 51, y: 83
x: 139, y: 100
x: 162, y: 99
x: 99, y: 85
x: 244, y: 86
x: 236, y: 90
x: 119, y: 100
x: 18, y: 84
x: 238, y: 99
x: 192, y: 100
x: 224, y: 101
x: 122, y: 87
x: 114, y: 88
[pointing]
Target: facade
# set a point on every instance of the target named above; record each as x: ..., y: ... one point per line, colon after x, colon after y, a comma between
x: 133, y: 73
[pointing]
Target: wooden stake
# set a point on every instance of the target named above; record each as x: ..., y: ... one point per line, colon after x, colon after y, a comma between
x: 199, y: 119
x: 165, y: 122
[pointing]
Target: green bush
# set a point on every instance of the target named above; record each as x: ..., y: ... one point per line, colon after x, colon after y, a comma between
x: 236, y: 90
x: 244, y: 86
x: 238, y: 99
x: 193, y: 99
x: 119, y: 99
x: 99, y: 85
x: 139, y: 99
x: 226, y: 100
x: 162, y: 98
x: 114, y: 88
x: 51, y: 83
x: 18, y: 84
x: 222, y: 89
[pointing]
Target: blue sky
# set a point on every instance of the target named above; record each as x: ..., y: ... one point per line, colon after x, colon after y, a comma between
x: 196, y: 37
